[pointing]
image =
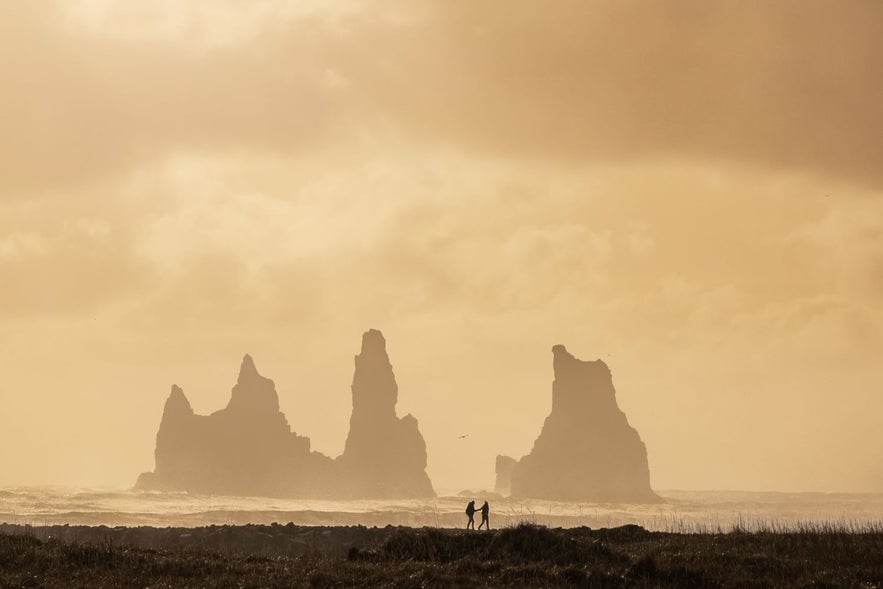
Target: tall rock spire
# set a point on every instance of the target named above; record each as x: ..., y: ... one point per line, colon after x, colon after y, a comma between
x: 587, y: 451
x: 375, y: 392
x: 384, y: 456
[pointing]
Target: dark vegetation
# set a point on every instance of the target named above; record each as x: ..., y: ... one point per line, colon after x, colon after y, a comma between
x: 524, y: 556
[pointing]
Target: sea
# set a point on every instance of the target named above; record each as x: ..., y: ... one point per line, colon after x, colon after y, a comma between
x: 679, y: 511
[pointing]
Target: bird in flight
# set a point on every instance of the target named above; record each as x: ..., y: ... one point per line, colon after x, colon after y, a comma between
x: 463, y: 436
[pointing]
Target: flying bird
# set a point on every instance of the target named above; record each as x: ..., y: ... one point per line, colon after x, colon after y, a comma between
x: 463, y: 436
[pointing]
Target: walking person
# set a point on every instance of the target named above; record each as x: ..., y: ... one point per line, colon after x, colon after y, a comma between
x: 470, y: 511
x: 485, y: 516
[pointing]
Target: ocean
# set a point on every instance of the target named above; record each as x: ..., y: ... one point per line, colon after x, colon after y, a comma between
x: 680, y: 511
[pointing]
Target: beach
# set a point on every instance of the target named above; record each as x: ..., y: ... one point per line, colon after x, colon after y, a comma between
x: 520, y: 556
x: 62, y: 537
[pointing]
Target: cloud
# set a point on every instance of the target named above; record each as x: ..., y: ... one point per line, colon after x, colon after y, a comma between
x: 778, y: 84
x: 70, y: 259
x: 785, y: 85
x: 85, y: 106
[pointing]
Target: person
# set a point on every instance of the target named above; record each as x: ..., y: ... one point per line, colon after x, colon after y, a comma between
x: 470, y: 511
x: 485, y: 513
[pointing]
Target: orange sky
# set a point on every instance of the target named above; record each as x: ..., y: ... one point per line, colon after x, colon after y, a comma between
x: 691, y: 191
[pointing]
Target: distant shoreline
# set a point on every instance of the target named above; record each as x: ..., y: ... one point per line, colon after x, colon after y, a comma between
x: 683, y: 511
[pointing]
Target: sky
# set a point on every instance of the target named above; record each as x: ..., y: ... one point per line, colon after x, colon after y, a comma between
x: 690, y: 191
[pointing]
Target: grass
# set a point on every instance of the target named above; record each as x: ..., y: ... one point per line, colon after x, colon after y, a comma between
x: 807, y: 555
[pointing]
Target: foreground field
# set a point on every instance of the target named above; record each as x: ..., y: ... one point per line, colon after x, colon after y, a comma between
x: 523, y: 556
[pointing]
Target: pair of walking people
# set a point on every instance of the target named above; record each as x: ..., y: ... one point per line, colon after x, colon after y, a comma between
x: 485, y: 515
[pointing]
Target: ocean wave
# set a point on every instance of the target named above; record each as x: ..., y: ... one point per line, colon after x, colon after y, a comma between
x: 681, y: 509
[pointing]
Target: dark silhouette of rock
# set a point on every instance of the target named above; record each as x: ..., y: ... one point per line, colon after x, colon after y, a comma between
x: 505, y: 466
x: 587, y: 451
x: 248, y: 447
x: 384, y: 456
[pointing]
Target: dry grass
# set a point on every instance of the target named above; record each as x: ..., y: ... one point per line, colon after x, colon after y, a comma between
x: 810, y: 555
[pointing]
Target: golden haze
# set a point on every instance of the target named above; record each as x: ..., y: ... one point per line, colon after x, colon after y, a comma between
x: 691, y: 191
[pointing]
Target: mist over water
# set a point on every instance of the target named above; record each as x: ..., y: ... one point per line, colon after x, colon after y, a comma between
x: 680, y: 511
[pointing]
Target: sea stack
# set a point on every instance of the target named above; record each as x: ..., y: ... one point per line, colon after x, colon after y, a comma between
x: 246, y: 448
x: 384, y: 456
x: 587, y: 451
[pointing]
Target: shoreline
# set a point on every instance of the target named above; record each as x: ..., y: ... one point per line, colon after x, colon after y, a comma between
x: 695, y: 511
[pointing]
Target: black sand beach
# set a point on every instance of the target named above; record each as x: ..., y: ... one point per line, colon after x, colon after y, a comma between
x: 522, y: 556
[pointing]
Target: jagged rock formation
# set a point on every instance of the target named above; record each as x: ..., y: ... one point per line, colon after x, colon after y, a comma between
x: 384, y: 456
x: 248, y: 447
x: 587, y: 451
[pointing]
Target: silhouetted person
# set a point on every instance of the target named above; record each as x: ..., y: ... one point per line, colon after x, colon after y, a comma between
x: 485, y: 519
x: 470, y: 511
